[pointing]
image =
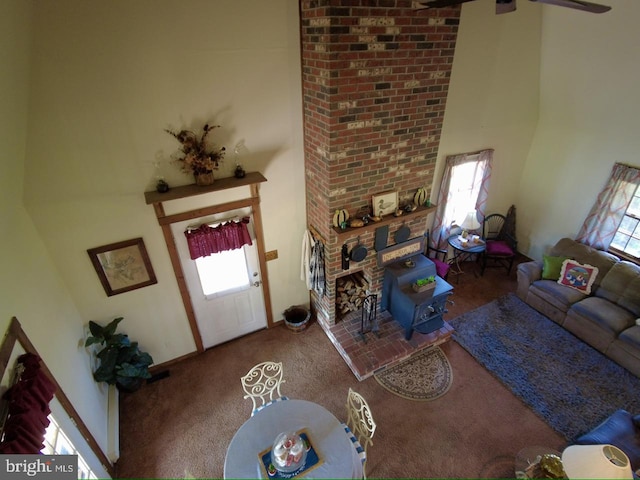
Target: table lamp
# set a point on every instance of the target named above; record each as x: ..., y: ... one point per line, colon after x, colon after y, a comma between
x: 596, y: 461
x: 470, y: 223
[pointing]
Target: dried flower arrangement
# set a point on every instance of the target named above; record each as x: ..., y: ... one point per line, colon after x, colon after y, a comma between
x: 196, y: 156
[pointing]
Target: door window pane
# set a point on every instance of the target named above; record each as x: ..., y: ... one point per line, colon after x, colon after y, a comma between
x: 223, y: 272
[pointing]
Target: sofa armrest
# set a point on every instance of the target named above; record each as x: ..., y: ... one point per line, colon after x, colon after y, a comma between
x: 528, y: 272
x: 620, y: 430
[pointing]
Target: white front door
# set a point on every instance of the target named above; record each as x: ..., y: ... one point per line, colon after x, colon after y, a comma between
x: 225, y: 288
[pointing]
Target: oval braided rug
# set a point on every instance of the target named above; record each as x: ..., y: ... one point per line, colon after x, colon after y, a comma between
x: 424, y: 376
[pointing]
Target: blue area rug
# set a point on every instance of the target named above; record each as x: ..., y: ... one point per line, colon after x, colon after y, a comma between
x: 571, y: 385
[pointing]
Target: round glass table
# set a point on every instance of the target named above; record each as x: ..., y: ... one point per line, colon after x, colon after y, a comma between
x: 463, y: 252
x: 337, y: 455
x: 538, y: 462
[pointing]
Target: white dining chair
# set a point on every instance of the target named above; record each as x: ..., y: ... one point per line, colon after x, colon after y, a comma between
x: 262, y: 385
x: 360, y: 425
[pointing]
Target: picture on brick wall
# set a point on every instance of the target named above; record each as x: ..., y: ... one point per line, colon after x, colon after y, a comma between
x: 384, y: 203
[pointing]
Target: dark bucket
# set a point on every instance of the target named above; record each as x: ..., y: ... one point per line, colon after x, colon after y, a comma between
x: 296, y: 318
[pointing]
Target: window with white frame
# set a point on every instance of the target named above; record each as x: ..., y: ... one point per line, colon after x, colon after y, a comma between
x: 627, y: 237
x: 466, y: 180
x: 234, y: 265
x: 57, y: 443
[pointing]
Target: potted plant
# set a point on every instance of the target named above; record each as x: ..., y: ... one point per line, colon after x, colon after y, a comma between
x: 122, y: 363
x: 423, y: 284
x: 196, y: 156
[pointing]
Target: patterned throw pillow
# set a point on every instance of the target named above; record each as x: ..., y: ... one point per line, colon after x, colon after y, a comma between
x: 578, y: 276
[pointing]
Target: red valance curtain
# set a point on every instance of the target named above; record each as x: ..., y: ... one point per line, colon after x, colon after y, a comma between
x: 206, y: 240
x: 28, y: 410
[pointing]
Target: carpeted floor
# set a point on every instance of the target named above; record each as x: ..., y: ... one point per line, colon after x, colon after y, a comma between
x: 571, y: 385
x: 181, y: 426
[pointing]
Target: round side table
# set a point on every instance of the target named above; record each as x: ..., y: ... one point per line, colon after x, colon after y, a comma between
x: 527, y: 460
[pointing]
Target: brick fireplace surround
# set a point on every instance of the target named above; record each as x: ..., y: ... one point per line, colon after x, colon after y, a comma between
x: 375, y: 77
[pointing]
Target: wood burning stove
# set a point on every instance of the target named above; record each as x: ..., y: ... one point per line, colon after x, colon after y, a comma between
x: 423, y: 311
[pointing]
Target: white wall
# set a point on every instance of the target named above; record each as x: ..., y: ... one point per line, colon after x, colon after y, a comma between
x: 31, y: 288
x: 554, y: 92
x: 589, y: 108
x: 493, y: 94
x: 107, y: 78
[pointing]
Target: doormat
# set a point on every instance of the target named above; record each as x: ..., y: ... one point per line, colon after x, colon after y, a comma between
x: 423, y: 377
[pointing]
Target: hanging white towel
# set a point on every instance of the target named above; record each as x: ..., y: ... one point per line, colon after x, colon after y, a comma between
x: 305, y: 263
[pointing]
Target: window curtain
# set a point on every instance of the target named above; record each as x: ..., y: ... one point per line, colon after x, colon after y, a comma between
x: 28, y: 409
x: 206, y: 240
x: 478, y: 185
x: 603, y: 221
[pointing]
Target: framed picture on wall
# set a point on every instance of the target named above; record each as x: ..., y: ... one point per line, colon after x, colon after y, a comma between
x: 384, y: 203
x: 122, y: 266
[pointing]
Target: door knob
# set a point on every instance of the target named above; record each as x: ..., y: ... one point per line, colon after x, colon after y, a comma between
x: 257, y: 283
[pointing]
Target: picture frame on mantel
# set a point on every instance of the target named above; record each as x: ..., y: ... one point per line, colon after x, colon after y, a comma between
x: 384, y: 203
x: 123, y: 266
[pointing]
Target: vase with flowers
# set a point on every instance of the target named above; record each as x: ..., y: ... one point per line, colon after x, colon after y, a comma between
x: 196, y: 155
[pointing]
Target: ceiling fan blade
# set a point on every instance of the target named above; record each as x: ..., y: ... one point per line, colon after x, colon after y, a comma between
x: 577, y: 4
x: 505, y: 6
x: 438, y: 3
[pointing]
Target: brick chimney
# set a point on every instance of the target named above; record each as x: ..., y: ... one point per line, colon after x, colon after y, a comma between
x: 375, y: 76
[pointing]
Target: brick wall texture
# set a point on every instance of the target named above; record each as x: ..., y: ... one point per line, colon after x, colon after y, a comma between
x: 375, y: 76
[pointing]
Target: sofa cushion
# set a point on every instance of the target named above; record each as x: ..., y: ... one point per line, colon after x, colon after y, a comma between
x: 577, y: 275
x: 551, y: 267
x: 607, y: 315
x: 619, y: 430
x: 557, y: 295
x: 584, y: 254
x: 622, y: 286
x: 631, y: 297
x: 625, y: 350
x: 631, y: 336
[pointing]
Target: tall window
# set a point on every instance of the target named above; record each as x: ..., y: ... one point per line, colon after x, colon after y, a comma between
x: 57, y: 443
x: 464, y: 188
x: 612, y: 222
x: 627, y: 237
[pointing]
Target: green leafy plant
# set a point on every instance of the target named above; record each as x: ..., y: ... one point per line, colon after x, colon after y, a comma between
x: 425, y: 281
x: 122, y: 363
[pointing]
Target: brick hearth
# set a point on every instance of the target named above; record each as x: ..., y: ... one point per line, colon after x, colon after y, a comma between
x: 388, y: 348
x: 375, y: 82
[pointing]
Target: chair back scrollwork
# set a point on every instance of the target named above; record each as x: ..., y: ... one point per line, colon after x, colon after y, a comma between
x: 262, y: 383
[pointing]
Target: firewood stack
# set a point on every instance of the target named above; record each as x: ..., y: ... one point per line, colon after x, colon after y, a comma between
x: 351, y: 292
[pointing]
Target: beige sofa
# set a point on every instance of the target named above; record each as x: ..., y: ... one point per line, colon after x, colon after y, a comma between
x: 607, y: 318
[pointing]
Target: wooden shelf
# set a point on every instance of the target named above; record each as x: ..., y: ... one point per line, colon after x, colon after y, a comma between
x: 219, y: 184
x: 418, y: 212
